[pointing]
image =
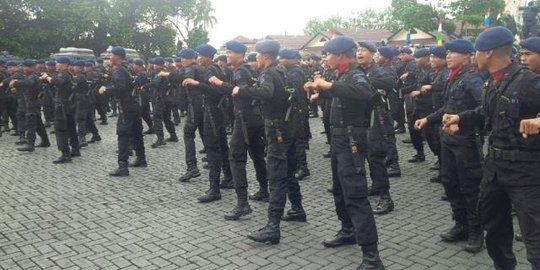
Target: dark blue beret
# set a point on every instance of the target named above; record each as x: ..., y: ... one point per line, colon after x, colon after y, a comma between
x: 395, y: 51
x: 222, y: 58
x: 206, y: 50
x: 169, y: 60
x: 236, y: 46
x: 63, y: 60
x: 289, y: 54
x: 368, y: 45
x: 438, y: 51
x: 28, y: 63
x: 339, y: 45
x: 386, y: 52
x: 50, y: 63
x: 11, y: 64
x: 252, y: 57
x: 421, y: 52
x: 130, y: 60
x: 406, y: 50
x: 187, y: 53
x: 120, y: 51
x: 493, y: 38
x: 99, y: 60
x: 159, y: 61
x: 2, y: 62
x: 177, y: 59
x: 89, y: 64
x: 79, y: 63
x: 315, y: 57
x: 138, y: 62
x: 532, y: 44
x: 459, y: 46
x: 268, y: 46
x: 40, y: 61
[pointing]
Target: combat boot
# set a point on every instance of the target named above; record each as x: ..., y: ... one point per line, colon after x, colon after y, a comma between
x: 82, y: 141
x: 149, y: 131
x: 419, y: 157
x: 302, y: 173
x: 213, y: 194
x: 139, y: 162
x: 65, y: 158
x: 27, y: 148
x: 121, y: 171
x: 296, y: 213
x: 158, y: 143
x: 44, y: 143
x: 227, y: 183
x: 22, y: 140
x: 371, y: 260
x: 192, y: 172
x: 75, y: 153
x: 385, y: 205
x: 475, y: 241
x: 394, y: 170
x: 456, y: 233
x: 261, y: 195
x: 242, y: 208
x: 345, y: 236
x: 173, y: 138
x: 268, y: 234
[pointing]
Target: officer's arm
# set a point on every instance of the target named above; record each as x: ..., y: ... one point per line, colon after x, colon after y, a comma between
x: 242, y: 79
x: 60, y: 79
x: 118, y: 83
x: 265, y: 89
x: 27, y: 82
x: 358, y: 88
x: 382, y: 79
x: 208, y: 88
x: 473, y: 117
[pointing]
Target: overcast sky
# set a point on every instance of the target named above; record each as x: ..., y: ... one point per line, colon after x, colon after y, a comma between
x: 263, y: 17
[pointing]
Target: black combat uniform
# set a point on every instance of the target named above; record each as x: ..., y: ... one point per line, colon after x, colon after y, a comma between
x: 81, y: 91
x: 421, y: 107
x: 160, y: 89
x: 8, y: 106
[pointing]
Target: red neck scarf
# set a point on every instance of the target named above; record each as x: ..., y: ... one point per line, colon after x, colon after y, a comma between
x: 342, y: 68
x: 454, y: 72
x: 497, y: 76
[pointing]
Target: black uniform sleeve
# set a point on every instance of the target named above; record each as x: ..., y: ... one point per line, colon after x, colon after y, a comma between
x: 265, y: 89
x: 358, y: 88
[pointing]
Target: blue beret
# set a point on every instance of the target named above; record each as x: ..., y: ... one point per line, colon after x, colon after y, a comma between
x: 493, y: 38
x: 222, y: 58
x: 368, y: 45
x: 51, y: 63
x: 99, y: 60
x: 89, y: 64
x: 63, y: 60
x: 29, y: 63
x: 438, y: 51
x: 169, y: 59
x: 159, y: 61
x: 315, y: 57
x: 267, y: 46
x: 532, y: 44
x: 120, y: 51
x: 339, y: 45
x: 386, y: 52
x: 11, y: 64
x: 459, y: 46
x: 2, y: 62
x: 130, y: 60
x: 406, y: 50
x: 79, y: 63
x: 236, y: 46
x: 421, y: 52
x: 252, y: 57
x: 206, y: 50
x: 40, y: 61
x: 289, y: 54
x: 187, y: 53
x: 138, y: 62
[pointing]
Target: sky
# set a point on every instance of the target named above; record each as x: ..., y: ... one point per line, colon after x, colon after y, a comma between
x: 264, y: 17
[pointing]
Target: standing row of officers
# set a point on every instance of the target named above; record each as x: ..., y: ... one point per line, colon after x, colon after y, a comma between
x: 448, y: 96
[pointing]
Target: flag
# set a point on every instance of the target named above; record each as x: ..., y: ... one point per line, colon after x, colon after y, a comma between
x: 440, y: 35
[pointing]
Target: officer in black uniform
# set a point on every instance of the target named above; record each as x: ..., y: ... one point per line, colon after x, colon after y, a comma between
x: 47, y: 94
x: 102, y: 103
x: 214, y: 134
x: 381, y: 132
x: 14, y: 73
x: 82, y: 92
x: 530, y: 54
x: 406, y: 71
x: 280, y: 136
x: 8, y: 108
x: 461, y: 168
x: 129, y: 124
x: 248, y: 132
x: 511, y: 103
x: 94, y: 82
x: 350, y: 117
x: 21, y: 107
x: 195, y: 112
x: 30, y: 87
x: 64, y: 111
x: 290, y: 59
x: 143, y: 97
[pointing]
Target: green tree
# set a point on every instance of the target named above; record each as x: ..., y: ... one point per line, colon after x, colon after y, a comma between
x: 410, y: 14
x: 474, y: 11
x: 315, y: 26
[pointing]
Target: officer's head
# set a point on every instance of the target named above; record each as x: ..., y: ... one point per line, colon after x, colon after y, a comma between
x: 365, y: 53
x: 88, y: 67
x: 437, y: 57
x: 530, y: 54
x: 221, y: 61
x: 384, y: 55
x: 138, y: 65
x: 251, y: 59
x: 205, y: 54
x: 236, y: 52
x: 341, y: 50
x: 405, y: 54
x: 314, y: 60
x: 118, y: 55
x: 493, y: 48
x: 178, y: 62
x: 78, y: 66
x: 62, y: 63
x: 188, y: 57
x: 40, y: 65
x: 458, y: 52
x: 421, y: 57
x: 267, y: 52
x: 28, y: 66
x: 289, y: 57
x: 12, y: 67
x: 159, y: 63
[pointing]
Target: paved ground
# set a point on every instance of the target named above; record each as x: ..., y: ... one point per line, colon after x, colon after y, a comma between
x: 76, y: 217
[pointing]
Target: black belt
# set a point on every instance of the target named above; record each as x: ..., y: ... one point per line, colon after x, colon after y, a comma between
x: 513, y: 155
x: 345, y: 131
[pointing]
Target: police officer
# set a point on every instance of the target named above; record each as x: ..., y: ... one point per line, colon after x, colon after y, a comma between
x: 81, y: 96
x: 406, y: 71
x: 7, y: 106
x: 530, y: 54
x: 350, y: 117
x: 461, y: 169
x: 280, y: 136
x: 214, y: 134
x: 511, y: 105
x: 102, y: 104
x: 129, y: 124
x: 30, y: 87
x: 21, y: 106
x: 381, y: 133
x: 64, y: 111
x: 248, y: 132
x: 94, y: 82
x: 143, y: 97
x: 11, y: 102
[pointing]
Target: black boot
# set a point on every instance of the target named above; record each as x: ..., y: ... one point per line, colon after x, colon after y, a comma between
x: 173, y: 138
x: 400, y: 129
x: 103, y: 122
x: 385, y: 205
x: 44, y: 143
x: 158, y: 143
x: 213, y: 194
x: 456, y: 233
x: 261, y: 195
x: 436, y: 166
x: 394, y: 170
x: 475, y: 241
x: 149, y: 131
x: 75, y: 153
x: 371, y: 260
x: 121, y: 171
x: 82, y: 141
x: 242, y: 208
x: 65, y: 158
x: 268, y: 234
x: 192, y: 172
x: 296, y: 213
x: 372, y: 191
x: 227, y: 183
x: 139, y: 162
x: 420, y: 157
x: 344, y: 237
x: 95, y: 138
x: 22, y: 140
x: 302, y: 173
x: 27, y: 148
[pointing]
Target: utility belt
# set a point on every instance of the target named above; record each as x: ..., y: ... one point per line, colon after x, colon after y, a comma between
x: 513, y: 155
x: 350, y: 131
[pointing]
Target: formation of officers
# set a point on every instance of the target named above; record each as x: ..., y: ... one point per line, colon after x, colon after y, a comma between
x: 452, y: 96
